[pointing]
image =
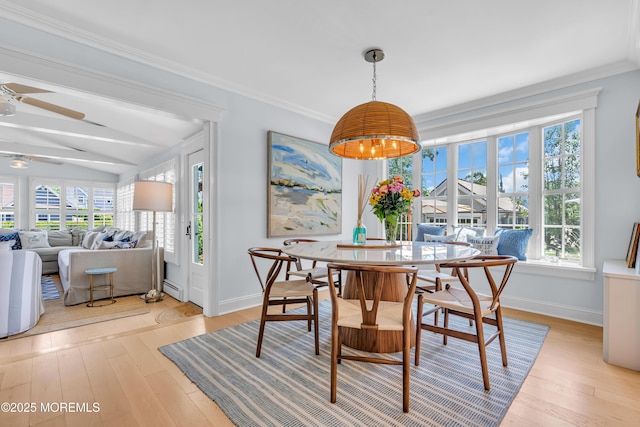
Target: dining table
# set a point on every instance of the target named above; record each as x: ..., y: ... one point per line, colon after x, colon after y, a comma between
x: 379, y: 252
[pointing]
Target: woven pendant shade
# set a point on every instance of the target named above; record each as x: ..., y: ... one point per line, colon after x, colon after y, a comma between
x: 375, y: 130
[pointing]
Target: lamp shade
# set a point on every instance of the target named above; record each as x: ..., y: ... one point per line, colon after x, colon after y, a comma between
x: 375, y: 130
x: 153, y: 196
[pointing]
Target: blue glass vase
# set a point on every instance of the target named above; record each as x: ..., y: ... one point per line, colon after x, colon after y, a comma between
x: 359, y: 234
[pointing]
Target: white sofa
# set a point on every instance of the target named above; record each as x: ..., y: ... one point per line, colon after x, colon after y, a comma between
x: 132, y: 277
x: 21, y: 295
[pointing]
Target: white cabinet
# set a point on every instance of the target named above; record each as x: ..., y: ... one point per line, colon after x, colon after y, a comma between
x: 621, y: 315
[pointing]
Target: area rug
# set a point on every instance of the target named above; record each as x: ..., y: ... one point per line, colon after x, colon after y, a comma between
x: 57, y: 316
x: 289, y: 386
x: 49, y: 289
x: 179, y: 312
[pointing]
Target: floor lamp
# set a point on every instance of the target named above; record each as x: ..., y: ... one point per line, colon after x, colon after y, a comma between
x: 153, y: 196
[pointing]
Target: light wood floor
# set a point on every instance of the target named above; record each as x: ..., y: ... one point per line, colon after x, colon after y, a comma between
x: 116, y: 364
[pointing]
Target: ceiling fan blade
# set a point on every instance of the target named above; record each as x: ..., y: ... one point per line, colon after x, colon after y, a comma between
x: 19, y: 89
x: 43, y: 160
x: 51, y: 107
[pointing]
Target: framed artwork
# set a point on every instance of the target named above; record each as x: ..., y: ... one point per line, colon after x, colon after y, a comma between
x: 632, y: 250
x: 638, y: 140
x: 305, y: 188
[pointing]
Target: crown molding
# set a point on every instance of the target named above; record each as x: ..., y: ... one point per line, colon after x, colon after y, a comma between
x: 46, y: 24
x: 527, y: 91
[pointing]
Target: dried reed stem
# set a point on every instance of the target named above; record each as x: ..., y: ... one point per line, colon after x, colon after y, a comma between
x: 363, y: 185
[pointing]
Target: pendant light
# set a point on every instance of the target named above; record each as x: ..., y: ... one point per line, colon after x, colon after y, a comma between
x: 374, y: 130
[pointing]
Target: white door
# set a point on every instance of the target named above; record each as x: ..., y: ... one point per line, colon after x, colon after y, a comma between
x: 195, y: 232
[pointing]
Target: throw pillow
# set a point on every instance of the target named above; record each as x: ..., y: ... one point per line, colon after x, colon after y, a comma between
x: 104, y: 244
x: 15, y: 237
x: 434, y: 230
x: 438, y: 239
x: 34, y: 239
x: 102, y: 236
x: 138, y: 238
x: 463, y: 233
x: 77, y: 236
x: 60, y: 238
x: 514, y: 242
x: 6, y: 246
x: 89, y: 238
x: 486, y: 245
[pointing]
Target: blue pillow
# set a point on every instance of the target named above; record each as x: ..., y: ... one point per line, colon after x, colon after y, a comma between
x: 13, y: 236
x: 434, y: 230
x: 514, y: 242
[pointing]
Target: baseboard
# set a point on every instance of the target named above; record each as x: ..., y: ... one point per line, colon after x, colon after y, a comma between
x: 172, y: 289
x: 236, y: 304
x: 576, y: 314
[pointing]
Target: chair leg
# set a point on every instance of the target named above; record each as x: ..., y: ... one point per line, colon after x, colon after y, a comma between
x: 446, y: 324
x: 406, y: 360
x: 418, y: 329
x: 315, y: 321
x: 335, y: 342
x: 284, y: 305
x: 503, y: 345
x: 482, y: 351
x: 263, y: 318
x: 309, y: 313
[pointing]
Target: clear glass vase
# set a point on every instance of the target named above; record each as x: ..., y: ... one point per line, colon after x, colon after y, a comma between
x: 391, y: 229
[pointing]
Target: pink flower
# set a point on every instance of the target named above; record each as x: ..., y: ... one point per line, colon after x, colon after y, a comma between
x: 397, y: 178
x: 374, y: 190
x: 416, y: 193
x: 384, y: 189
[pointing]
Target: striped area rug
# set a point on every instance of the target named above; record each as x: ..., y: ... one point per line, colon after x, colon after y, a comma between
x: 289, y: 386
x: 49, y: 290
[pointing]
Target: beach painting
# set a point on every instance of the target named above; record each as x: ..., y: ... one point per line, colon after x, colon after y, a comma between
x: 305, y: 188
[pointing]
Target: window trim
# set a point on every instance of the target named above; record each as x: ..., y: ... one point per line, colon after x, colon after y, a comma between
x: 16, y: 196
x: 582, y: 103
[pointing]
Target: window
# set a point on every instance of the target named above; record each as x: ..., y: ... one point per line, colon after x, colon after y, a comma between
x: 561, y: 191
x: 66, y: 205
x: 165, y: 221
x: 498, y: 168
x: 434, y: 183
x: 8, y: 190
x: 125, y: 216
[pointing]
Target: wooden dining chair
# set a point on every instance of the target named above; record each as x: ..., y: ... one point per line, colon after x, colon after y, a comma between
x: 431, y: 280
x: 318, y: 273
x: 467, y: 303
x: 367, y: 311
x: 280, y: 292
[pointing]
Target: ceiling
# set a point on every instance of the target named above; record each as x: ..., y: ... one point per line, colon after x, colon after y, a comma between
x: 307, y: 57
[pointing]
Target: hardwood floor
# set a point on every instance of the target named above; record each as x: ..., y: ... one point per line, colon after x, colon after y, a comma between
x: 116, y: 364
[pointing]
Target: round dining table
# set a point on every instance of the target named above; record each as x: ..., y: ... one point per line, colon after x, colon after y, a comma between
x: 377, y: 252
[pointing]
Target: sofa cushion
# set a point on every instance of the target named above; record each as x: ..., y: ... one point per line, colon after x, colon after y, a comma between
x: 77, y: 234
x: 486, y: 245
x: 50, y: 253
x: 33, y: 239
x: 6, y: 246
x: 13, y: 236
x: 60, y: 238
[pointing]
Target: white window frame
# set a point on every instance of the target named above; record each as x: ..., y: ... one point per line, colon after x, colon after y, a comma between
x: 498, y: 122
x: 12, y: 180
x: 63, y: 184
x: 125, y: 215
x: 166, y: 221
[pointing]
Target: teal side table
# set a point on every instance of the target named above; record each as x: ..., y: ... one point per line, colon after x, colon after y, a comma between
x: 108, y: 286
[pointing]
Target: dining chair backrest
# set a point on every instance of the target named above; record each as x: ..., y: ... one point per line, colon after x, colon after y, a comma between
x: 367, y: 285
x: 485, y: 262
x: 277, y: 259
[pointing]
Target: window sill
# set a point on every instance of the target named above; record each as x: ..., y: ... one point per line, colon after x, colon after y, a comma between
x: 555, y: 269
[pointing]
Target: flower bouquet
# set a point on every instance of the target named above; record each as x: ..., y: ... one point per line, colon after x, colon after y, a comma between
x: 389, y: 200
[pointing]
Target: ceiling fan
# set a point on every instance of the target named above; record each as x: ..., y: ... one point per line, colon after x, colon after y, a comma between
x: 16, y: 91
x: 20, y: 161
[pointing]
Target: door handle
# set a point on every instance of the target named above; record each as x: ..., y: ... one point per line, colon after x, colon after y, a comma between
x: 188, y: 234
